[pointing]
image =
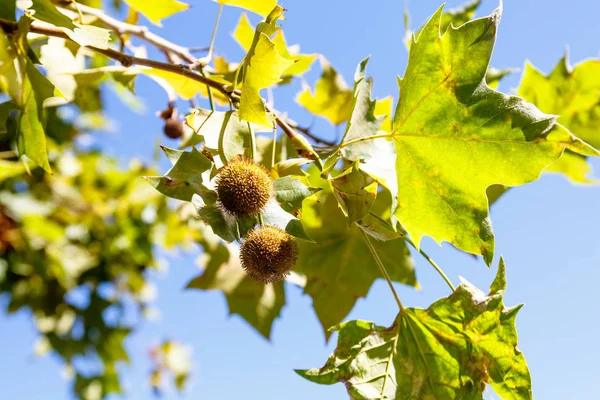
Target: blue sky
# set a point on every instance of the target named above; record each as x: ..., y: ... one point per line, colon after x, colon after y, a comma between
x: 547, y: 231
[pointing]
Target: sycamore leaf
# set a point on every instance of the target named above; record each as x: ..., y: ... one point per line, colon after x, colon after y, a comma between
x: 455, y: 136
x: 573, y: 94
x: 185, y: 87
x: 156, y: 10
x: 6, y: 109
x: 9, y: 169
x: 261, y: 7
x: 493, y: 76
x: 332, y: 99
x: 290, y: 192
x: 244, y: 35
x: 384, y: 107
x: 84, y: 35
x: 341, y: 268
x: 221, y: 131
x: 377, y: 156
x: 574, y: 166
x: 452, y: 350
x: 263, y: 67
x: 255, y: 302
x: 8, y: 10
x: 355, y: 192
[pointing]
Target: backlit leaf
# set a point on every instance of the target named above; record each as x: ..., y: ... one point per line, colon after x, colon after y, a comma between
x: 452, y: 350
x: 156, y: 10
x: 455, y: 136
x: 261, y: 7
x: 331, y: 99
x: 340, y: 269
x: 263, y: 67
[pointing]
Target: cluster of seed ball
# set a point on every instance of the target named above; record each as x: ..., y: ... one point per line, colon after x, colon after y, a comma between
x: 244, y: 189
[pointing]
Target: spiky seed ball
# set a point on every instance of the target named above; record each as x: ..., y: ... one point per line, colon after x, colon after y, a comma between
x: 173, y: 128
x: 244, y: 187
x: 268, y: 254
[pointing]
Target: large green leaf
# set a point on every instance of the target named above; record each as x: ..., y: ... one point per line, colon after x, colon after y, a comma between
x: 455, y: 136
x: 340, y: 269
x: 257, y: 303
x: 263, y: 67
x: 452, y: 350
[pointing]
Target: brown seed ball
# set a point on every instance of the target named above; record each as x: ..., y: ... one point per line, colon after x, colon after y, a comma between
x: 173, y: 128
x: 268, y: 254
x: 244, y: 187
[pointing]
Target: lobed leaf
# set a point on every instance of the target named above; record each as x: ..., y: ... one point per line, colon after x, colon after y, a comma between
x: 452, y: 350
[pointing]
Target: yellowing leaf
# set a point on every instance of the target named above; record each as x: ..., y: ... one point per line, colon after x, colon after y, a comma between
x: 244, y: 35
x: 332, y: 99
x: 384, y: 107
x: 455, y: 136
x: 185, y: 87
x: 244, y: 32
x: 84, y: 35
x: 263, y: 67
x: 156, y: 10
x: 261, y: 7
x: 574, y: 166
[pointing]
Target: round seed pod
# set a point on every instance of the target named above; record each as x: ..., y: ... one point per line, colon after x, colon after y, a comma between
x: 244, y: 187
x: 268, y: 254
x: 173, y: 128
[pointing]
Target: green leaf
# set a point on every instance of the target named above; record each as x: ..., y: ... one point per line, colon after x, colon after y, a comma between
x: 261, y: 7
x: 493, y: 76
x: 290, y: 192
x: 244, y: 35
x: 84, y: 35
x: 455, y: 136
x: 332, y: 99
x: 255, y: 302
x: 184, y: 179
x: 31, y: 141
x: 8, y: 10
x: 452, y: 350
x: 574, y: 166
x: 9, y: 169
x: 460, y: 15
x: 571, y: 93
x: 355, y: 191
x: 221, y: 131
x: 377, y: 156
x: 156, y: 10
x: 263, y: 67
x: 275, y: 215
x: 341, y: 269
x: 6, y: 109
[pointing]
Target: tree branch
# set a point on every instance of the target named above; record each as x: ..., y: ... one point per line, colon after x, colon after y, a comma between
x: 181, y: 69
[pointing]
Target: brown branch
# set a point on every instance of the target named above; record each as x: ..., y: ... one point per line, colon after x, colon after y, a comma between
x: 128, y: 60
x: 139, y: 31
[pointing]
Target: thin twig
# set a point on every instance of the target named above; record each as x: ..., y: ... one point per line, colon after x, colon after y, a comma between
x: 382, y: 268
x: 433, y: 263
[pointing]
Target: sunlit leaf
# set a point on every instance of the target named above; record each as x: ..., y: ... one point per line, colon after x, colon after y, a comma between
x: 451, y: 350
x: 263, y: 67
x: 331, y: 99
x: 455, y: 136
x: 255, y: 302
x: 341, y: 269
x: 261, y: 7
x: 156, y: 10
